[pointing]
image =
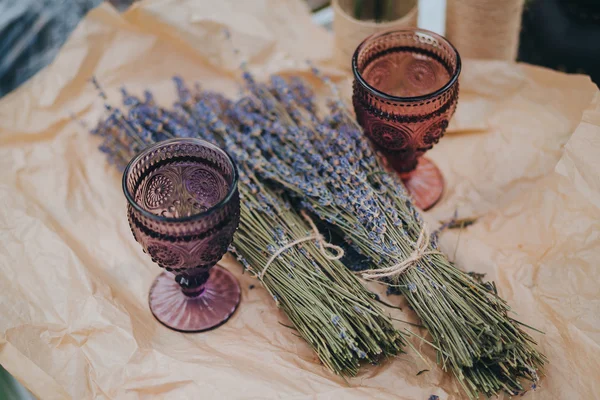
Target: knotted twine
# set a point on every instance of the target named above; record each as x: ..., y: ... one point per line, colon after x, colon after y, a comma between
x: 398, y: 269
x: 487, y: 29
x: 316, y: 235
x: 395, y: 270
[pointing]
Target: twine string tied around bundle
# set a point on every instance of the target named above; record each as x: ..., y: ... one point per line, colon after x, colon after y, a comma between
x: 316, y: 235
x: 398, y: 269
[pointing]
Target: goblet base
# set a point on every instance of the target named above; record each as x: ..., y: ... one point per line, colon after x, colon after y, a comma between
x: 210, y: 309
x: 425, y: 184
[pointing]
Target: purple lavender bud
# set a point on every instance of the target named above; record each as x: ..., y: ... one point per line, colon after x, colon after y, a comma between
x: 129, y: 100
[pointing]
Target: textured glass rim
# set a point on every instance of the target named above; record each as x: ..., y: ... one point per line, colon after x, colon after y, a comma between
x: 194, y: 217
x: 386, y: 96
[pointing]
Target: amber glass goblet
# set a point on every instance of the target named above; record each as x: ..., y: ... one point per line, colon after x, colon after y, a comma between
x: 183, y: 208
x: 405, y: 91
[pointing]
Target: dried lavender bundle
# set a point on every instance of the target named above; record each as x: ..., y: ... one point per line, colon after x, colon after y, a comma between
x: 328, y: 166
x: 325, y: 303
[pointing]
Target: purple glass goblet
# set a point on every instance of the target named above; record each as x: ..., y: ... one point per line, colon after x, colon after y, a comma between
x: 404, y: 93
x: 183, y: 208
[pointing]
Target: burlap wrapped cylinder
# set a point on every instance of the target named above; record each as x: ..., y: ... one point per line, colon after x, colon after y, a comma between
x: 486, y: 29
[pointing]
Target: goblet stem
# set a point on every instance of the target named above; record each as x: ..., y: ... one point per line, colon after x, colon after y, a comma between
x: 192, y: 284
x: 421, y: 176
x: 403, y: 162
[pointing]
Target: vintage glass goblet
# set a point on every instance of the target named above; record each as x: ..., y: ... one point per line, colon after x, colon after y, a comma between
x: 183, y: 208
x: 405, y: 91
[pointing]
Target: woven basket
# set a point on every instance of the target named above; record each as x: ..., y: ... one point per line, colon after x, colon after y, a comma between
x: 487, y: 29
x: 350, y: 32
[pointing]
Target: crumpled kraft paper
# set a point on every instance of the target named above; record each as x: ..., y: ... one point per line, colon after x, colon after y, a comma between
x: 74, y: 322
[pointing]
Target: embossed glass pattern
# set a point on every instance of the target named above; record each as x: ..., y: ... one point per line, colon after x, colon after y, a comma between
x: 183, y: 209
x: 405, y: 91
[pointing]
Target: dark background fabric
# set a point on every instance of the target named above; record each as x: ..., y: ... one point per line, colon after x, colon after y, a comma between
x: 32, y: 32
x: 562, y: 35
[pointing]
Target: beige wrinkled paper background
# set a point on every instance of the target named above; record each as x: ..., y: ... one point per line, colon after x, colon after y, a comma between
x: 523, y: 155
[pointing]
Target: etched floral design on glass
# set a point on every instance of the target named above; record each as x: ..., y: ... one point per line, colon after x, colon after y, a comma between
x: 183, y: 208
x: 404, y: 93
